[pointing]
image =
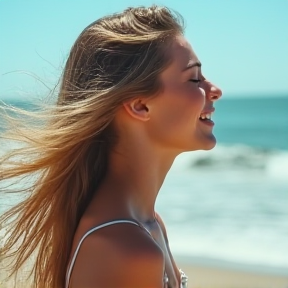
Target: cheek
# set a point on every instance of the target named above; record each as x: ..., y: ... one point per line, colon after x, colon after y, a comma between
x: 179, y: 109
x: 183, y: 107
x: 176, y: 116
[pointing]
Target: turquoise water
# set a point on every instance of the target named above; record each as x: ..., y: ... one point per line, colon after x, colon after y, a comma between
x: 259, y: 122
x: 230, y: 203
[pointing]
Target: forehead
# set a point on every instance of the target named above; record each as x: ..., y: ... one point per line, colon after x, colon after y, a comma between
x: 181, y: 53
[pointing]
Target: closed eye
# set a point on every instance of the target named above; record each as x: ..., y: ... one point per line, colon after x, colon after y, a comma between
x: 195, y: 80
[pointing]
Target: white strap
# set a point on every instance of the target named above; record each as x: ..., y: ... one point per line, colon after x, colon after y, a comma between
x: 68, y: 275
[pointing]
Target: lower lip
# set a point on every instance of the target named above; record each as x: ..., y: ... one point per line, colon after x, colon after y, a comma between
x: 207, y: 122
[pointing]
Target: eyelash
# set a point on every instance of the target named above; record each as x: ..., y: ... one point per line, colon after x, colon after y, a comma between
x: 195, y: 80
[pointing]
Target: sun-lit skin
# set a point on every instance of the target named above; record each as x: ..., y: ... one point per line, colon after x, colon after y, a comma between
x: 171, y: 119
x: 151, y: 132
x: 175, y: 114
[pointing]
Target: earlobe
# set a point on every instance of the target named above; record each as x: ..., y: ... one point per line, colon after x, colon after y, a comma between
x: 137, y: 109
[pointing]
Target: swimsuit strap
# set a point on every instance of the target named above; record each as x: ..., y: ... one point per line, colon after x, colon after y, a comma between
x: 69, y: 271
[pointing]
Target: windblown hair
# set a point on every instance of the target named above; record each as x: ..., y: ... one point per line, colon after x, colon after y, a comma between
x: 113, y: 60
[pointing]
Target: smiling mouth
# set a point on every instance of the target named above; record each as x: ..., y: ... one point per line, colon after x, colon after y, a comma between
x: 205, y: 116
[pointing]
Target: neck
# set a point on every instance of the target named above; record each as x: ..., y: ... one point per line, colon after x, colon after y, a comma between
x: 135, y: 175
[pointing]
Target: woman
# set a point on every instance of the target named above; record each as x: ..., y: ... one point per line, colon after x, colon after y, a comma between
x: 132, y: 98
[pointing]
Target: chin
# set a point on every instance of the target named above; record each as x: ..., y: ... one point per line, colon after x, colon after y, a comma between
x: 208, y: 144
x: 211, y: 144
x: 209, y: 147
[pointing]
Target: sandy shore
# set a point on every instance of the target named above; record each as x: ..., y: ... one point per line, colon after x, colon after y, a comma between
x: 214, y: 277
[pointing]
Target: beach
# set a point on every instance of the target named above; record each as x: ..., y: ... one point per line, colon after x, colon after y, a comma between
x: 217, y: 277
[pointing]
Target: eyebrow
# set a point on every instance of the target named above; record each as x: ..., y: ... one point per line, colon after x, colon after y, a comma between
x: 192, y: 64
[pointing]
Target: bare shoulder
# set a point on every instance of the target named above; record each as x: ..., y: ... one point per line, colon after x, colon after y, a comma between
x: 121, y: 255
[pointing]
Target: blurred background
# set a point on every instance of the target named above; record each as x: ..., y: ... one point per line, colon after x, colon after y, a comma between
x: 228, y: 206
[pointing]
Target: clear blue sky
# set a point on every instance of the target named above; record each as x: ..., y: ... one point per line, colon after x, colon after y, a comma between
x: 243, y: 44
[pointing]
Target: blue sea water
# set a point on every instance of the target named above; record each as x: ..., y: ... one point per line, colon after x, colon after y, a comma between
x: 231, y: 203
x: 258, y: 122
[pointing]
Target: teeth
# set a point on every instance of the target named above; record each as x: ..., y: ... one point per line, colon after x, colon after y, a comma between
x: 205, y: 116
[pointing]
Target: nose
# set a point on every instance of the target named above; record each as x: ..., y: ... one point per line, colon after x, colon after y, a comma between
x: 212, y: 91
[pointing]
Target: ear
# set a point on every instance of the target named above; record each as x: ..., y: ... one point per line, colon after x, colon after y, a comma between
x: 138, y: 109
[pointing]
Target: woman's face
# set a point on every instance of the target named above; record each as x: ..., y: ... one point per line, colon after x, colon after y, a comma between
x: 180, y: 114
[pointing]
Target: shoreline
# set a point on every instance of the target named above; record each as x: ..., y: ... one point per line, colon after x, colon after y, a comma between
x: 208, y: 277
x: 230, y: 265
x: 212, y: 273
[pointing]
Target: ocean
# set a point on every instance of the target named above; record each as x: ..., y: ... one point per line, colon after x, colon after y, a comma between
x: 229, y: 206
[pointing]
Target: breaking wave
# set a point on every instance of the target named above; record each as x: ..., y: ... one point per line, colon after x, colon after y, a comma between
x: 237, y: 157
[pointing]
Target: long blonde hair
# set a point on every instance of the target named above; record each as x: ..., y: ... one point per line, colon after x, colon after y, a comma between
x: 114, y: 59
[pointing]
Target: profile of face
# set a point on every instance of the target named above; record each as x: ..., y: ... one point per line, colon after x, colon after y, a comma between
x: 180, y: 116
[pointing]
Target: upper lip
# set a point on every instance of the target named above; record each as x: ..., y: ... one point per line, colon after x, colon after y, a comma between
x: 208, y: 111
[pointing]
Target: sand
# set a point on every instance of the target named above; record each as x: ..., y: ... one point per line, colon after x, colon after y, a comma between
x: 213, y: 277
